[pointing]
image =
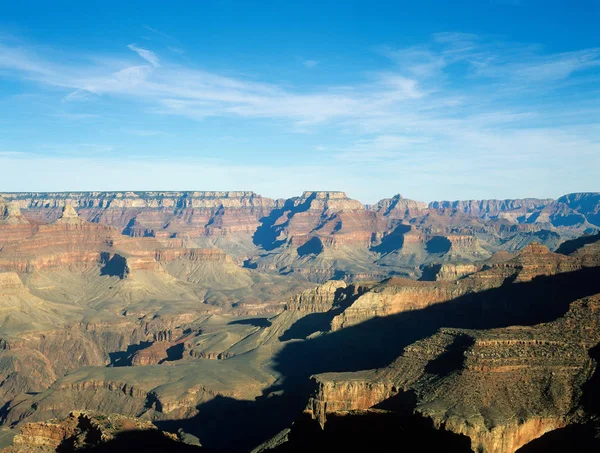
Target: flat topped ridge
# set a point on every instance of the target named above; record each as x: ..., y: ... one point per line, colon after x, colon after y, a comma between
x: 132, y: 194
x: 325, y: 200
x: 492, y: 201
x: 325, y: 194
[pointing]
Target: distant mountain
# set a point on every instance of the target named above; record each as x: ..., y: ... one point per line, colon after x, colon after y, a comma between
x: 323, y: 235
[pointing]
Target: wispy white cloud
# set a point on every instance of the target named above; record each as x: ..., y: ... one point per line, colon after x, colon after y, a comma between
x: 459, y: 100
x: 422, y: 81
x: 310, y: 63
x: 146, y: 54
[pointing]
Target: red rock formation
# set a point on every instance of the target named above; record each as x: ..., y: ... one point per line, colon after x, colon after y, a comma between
x: 152, y: 355
x: 148, y: 213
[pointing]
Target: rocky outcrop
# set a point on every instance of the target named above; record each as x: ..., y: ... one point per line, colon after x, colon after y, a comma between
x: 399, y: 207
x: 10, y: 214
x: 319, y: 299
x: 69, y: 216
x: 154, y: 354
x: 13, y: 226
x: 449, y: 272
x: 83, y: 430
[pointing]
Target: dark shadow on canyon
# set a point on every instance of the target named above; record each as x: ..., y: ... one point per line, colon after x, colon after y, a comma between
x: 174, y: 353
x: 113, y: 266
x: 361, y: 432
x: 313, y: 246
x: 123, y: 358
x: 131, y: 441
x: 309, y: 324
x: 267, y: 232
x: 438, y: 244
x: 590, y: 398
x: 393, y: 241
x: 453, y: 359
x: 374, y: 344
x: 571, y: 246
x: 581, y: 438
x: 256, y: 322
x: 321, y: 322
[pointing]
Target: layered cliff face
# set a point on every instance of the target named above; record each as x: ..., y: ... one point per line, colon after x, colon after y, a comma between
x: 509, y: 209
x: 317, y: 300
x: 10, y: 214
x: 320, y: 235
x: 449, y: 272
x: 155, y: 213
x: 67, y: 241
x: 13, y: 226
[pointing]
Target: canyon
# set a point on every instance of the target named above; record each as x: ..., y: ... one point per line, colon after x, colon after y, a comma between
x: 190, y: 315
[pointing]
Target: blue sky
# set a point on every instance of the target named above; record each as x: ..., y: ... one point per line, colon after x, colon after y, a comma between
x: 431, y: 99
